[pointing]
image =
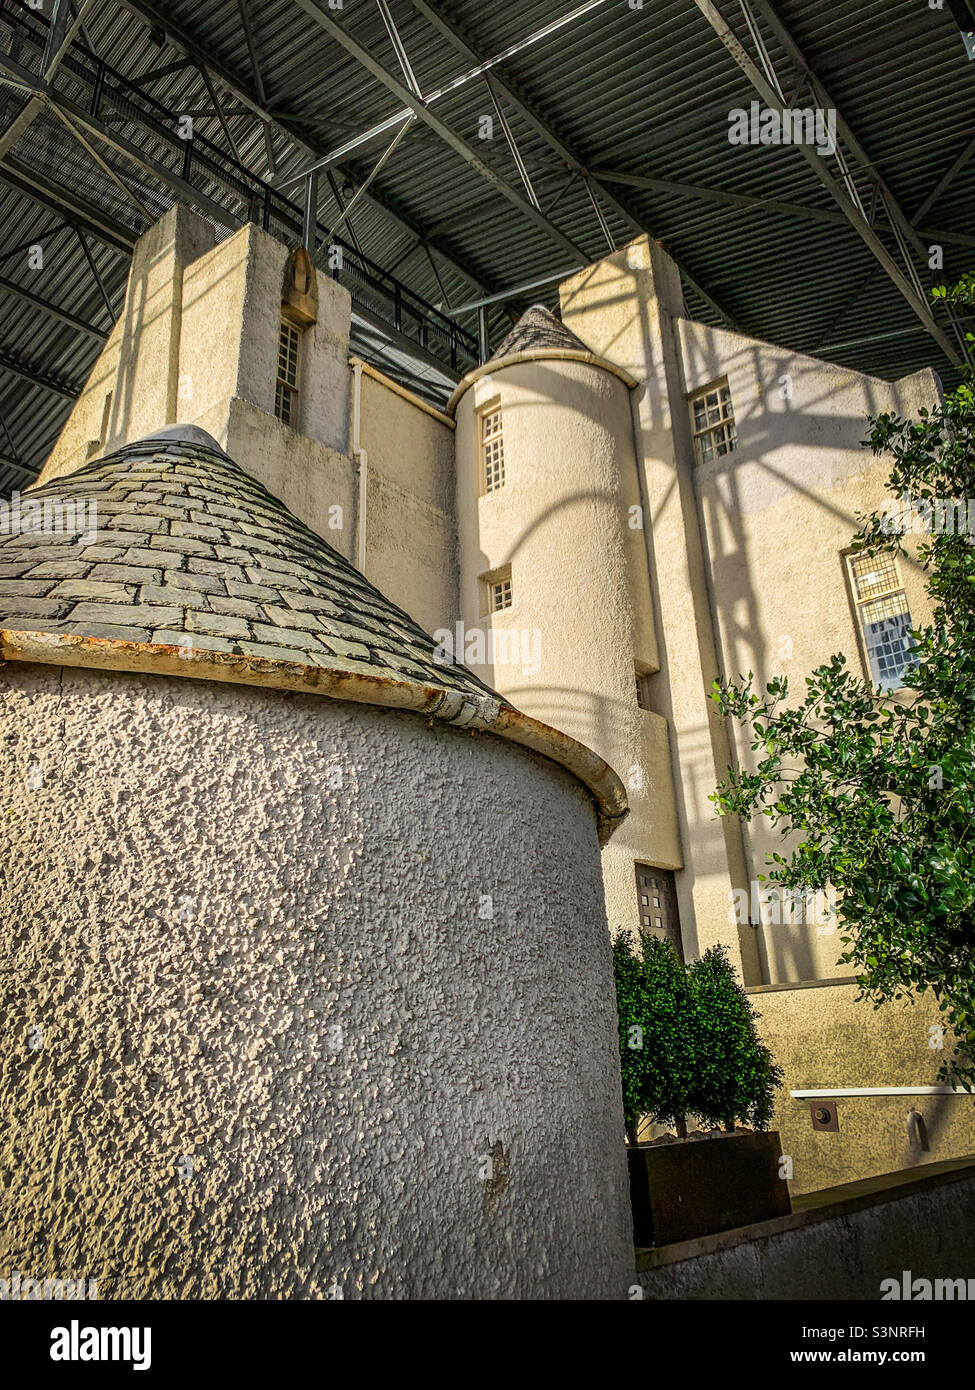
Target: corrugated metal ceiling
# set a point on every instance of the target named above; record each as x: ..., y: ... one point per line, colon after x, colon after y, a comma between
x: 639, y: 92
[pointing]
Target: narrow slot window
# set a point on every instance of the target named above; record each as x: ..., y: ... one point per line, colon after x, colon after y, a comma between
x: 492, y: 450
x: 286, y: 385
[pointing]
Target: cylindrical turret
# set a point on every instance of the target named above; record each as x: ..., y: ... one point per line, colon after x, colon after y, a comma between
x: 555, y: 593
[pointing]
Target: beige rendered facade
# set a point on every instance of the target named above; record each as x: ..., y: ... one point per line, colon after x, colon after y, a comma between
x: 563, y: 529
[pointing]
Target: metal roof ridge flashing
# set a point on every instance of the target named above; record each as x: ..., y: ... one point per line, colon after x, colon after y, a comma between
x: 179, y: 434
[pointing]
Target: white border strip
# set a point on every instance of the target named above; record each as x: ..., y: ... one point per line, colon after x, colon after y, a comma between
x: 882, y: 1091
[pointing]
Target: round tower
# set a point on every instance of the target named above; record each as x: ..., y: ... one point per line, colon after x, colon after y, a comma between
x: 305, y: 951
x: 555, y: 593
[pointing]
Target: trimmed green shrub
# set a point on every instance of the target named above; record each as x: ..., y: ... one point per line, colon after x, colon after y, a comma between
x: 688, y: 1041
x: 735, y: 1078
x: 653, y: 999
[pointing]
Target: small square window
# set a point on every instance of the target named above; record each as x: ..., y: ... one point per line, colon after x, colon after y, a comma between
x: 714, y: 423
x: 657, y: 903
x: 500, y: 595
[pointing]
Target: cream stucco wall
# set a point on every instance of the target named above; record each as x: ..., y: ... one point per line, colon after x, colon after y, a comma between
x: 625, y: 309
x: 411, y: 509
x: 581, y: 619
x: 747, y: 574
x: 133, y: 387
x: 778, y: 514
x: 300, y: 994
x: 197, y: 343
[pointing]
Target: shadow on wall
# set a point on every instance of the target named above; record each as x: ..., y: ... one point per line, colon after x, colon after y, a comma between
x: 138, y: 321
x: 801, y: 454
x: 776, y: 516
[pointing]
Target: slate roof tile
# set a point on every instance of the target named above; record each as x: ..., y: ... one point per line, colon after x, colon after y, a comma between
x: 538, y: 328
x: 185, y: 530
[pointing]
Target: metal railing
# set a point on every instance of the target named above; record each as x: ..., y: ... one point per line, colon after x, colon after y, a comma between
x: 141, y: 129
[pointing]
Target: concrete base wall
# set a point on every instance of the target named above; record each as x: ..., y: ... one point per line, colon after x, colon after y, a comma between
x: 299, y: 995
x: 842, y: 1250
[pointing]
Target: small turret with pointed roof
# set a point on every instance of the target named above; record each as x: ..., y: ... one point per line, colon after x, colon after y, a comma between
x: 538, y: 329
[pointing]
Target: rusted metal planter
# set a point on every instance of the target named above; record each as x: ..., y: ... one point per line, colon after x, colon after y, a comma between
x: 696, y: 1187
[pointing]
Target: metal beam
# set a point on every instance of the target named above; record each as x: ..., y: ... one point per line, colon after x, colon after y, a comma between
x: 946, y: 179
x: 61, y: 35
x: 420, y: 108
x: 399, y: 48
x: 57, y: 28
x: 157, y: 74
x: 340, y: 204
x: 336, y: 156
x: 242, y: 183
x: 723, y: 198
x: 19, y: 124
x: 9, y: 463
x: 837, y: 189
x: 904, y: 229
x: 360, y: 192
x: 21, y: 468
x: 65, y: 316
x: 95, y: 272
x: 600, y: 215
x: 481, y: 67
x: 512, y: 142
x: 243, y: 10
x: 565, y: 152
x: 13, y: 252
x: 228, y: 134
x: 9, y: 362
x: 288, y: 127
x: 66, y: 203
x: 245, y: 20
x: 514, y: 292
x: 309, y: 221
x: 14, y: 457
x: 106, y: 168
x: 865, y: 165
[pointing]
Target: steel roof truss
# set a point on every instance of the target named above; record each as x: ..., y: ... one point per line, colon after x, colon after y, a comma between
x: 840, y: 189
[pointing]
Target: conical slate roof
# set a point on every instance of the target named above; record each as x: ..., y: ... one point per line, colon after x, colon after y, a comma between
x: 191, y: 551
x: 189, y: 567
x: 538, y: 328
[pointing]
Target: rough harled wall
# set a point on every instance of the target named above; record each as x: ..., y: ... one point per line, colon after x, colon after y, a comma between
x: 301, y: 996
x: 580, y: 623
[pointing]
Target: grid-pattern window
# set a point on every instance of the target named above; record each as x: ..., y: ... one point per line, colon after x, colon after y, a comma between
x: 500, y: 590
x: 286, y: 386
x: 657, y: 903
x: 714, y: 423
x: 492, y: 450
x: 885, y: 619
